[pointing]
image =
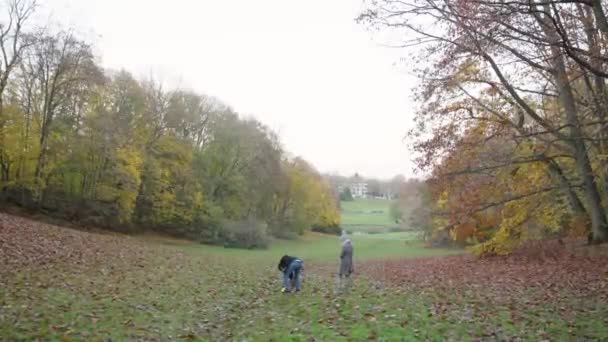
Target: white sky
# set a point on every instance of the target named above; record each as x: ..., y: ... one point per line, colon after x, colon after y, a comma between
x: 304, y: 68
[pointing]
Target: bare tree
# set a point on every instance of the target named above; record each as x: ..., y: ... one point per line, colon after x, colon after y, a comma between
x: 61, y: 68
x: 13, y: 42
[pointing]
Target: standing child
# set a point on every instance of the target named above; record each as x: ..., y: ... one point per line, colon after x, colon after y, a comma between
x: 346, y: 266
x: 292, y: 269
x: 346, y: 259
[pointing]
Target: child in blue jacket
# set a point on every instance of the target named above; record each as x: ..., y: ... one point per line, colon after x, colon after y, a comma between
x: 291, y: 267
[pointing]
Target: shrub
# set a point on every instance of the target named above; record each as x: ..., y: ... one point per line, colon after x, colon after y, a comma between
x: 333, y: 230
x: 20, y: 195
x: 286, y: 235
x: 396, y: 229
x: 248, y: 234
x: 346, y: 195
x: 206, y: 225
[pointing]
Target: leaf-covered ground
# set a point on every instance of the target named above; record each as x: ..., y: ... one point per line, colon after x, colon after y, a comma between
x: 62, y: 284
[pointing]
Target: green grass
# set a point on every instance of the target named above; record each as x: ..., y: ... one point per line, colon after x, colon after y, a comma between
x: 395, y: 236
x: 324, y: 248
x: 188, y: 291
x: 366, y: 204
x: 366, y: 215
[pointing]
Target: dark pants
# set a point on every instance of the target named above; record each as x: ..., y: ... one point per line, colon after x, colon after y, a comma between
x: 293, y: 271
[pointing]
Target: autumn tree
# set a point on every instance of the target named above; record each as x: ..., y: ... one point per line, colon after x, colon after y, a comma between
x: 14, y: 40
x: 305, y: 200
x: 508, y: 87
x: 62, y: 68
x: 102, y: 148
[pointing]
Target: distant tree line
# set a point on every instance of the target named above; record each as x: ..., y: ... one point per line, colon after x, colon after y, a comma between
x: 103, y: 148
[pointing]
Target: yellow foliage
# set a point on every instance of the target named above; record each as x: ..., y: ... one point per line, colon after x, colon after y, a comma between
x: 129, y: 164
x: 310, y: 199
x: 443, y: 199
x: 21, y: 144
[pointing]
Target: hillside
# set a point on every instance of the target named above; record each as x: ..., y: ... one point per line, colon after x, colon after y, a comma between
x: 62, y: 284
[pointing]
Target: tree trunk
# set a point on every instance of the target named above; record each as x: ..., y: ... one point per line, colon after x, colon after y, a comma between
x: 600, y: 16
x: 576, y: 205
x: 5, y: 167
x: 2, y: 143
x: 599, y: 225
x: 598, y: 88
x: 44, y: 142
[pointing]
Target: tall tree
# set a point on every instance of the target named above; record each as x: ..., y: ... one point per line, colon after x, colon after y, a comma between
x: 14, y: 40
x: 522, y: 73
x: 60, y: 66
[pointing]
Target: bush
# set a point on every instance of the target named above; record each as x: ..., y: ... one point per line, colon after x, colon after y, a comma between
x: 396, y: 212
x: 286, y: 235
x: 20, y: 195
x: 397, y: 229
x: 346, y: 195
x: 333, y: 230
x: 248, y: 234
x: 207, y: 225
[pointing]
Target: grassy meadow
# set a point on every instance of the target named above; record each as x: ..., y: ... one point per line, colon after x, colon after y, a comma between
x: 155, y: 288
x: 366, y: 215
x: 57, y: 284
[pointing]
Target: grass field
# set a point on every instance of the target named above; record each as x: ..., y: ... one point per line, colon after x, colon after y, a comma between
x: 64, y: 285
x: 325, y: 248
x: 366, y: 215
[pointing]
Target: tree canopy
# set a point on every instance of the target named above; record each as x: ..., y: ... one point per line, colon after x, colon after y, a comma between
x: 106, y: 149
x: 512, y: 118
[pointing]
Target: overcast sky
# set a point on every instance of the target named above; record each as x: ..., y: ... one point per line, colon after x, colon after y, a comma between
x: 305, y: 68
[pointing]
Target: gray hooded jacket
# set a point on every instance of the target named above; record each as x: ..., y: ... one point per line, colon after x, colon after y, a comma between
x: 346, y: 259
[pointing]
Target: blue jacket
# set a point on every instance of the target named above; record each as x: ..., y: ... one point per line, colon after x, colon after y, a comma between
x: 285, y: 261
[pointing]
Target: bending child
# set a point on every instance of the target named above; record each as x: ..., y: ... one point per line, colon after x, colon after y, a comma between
x: 292, y: 268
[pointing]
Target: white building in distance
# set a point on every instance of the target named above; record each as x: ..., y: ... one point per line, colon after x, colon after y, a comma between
x: 359, y: 189
x: 357, y: 185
